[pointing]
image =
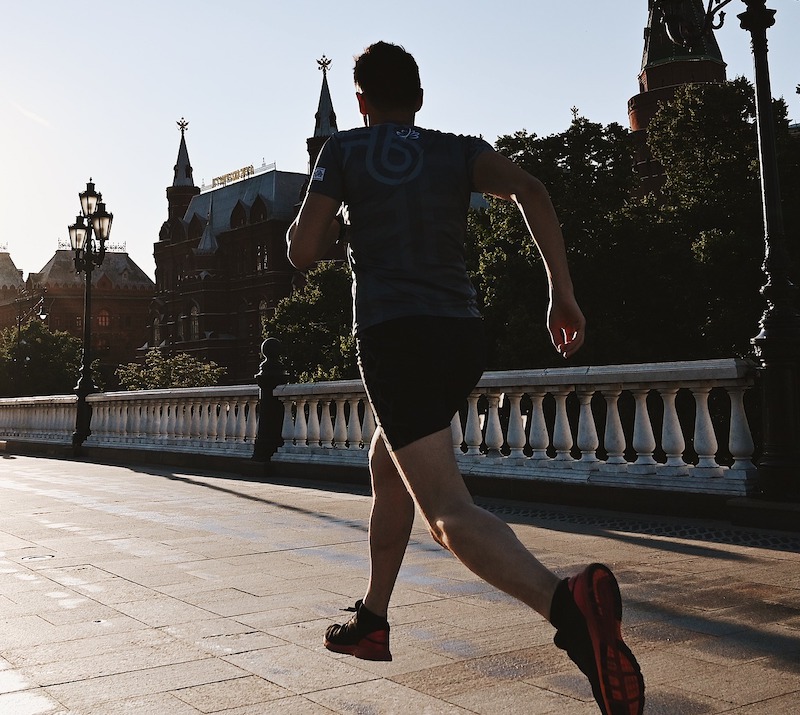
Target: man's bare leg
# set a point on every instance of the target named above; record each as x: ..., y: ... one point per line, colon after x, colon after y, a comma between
x: 390, y: 524
x: 485, y: 544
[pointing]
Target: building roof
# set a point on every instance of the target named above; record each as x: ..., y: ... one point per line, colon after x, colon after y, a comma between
x: 660, y: 49
x: 280, y: 190
x: 10, y: 275
x: 119, y: 268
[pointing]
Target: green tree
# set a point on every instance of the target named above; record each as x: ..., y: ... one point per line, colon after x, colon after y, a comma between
x: 671, y: 277
x: 706, y: 140
x: 36, y: 361
x: 161, y: 372
x: 587, y: 170
x: 314, y: 326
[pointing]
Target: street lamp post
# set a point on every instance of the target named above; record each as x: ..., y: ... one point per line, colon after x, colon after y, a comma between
x: 88, y: 236
x: 778, y: 342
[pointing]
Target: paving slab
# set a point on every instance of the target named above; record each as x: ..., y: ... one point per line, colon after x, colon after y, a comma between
x: 128, y: 589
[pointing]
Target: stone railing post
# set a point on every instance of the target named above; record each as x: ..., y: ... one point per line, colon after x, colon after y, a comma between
x: 271, y: 373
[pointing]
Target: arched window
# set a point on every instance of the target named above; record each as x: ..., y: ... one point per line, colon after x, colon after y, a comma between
x: 194, y: 324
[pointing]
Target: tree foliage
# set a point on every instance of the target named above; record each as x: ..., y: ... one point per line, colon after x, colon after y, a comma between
x: 672, y: 277
x: 36, y: 361
x: 162, y: 372
x: 314, y: 326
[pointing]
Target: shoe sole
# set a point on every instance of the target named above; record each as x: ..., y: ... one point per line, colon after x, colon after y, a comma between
x: 621, y: 680
x: 371, y: 647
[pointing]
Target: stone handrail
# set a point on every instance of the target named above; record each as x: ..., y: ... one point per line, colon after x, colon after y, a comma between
x: 215, y: 420
x: 658, y: 428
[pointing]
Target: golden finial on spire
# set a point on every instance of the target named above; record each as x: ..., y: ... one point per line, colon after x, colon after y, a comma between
x: 183, y: 125
x: 324, y: 64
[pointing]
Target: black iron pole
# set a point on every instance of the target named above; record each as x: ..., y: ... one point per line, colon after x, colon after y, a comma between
x: 85, y: 386
x: 778, y: 342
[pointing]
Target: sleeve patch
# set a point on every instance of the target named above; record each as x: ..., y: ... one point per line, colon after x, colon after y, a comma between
x: 319, y: 174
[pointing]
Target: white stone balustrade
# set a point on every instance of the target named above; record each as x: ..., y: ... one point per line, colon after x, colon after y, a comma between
x: 213, y: 420
x: 617, y: 425
x: 664, y: 426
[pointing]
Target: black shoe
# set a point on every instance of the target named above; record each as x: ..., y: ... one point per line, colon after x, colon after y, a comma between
x: 589, y: 615
x: 364, y: 636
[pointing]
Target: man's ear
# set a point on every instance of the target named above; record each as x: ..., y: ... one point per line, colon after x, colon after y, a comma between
x: 362, y: 103
x: 419, y: 101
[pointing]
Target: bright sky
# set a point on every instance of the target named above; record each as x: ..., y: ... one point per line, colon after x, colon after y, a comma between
x: 95, y: 90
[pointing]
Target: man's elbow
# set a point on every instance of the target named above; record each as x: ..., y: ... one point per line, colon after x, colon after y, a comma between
x: 300, y: 259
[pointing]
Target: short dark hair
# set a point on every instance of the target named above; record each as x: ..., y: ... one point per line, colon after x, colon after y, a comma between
x: 388, y: 76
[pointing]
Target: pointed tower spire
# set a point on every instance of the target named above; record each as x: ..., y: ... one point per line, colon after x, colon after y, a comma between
x: 325, y: 118
x: 180, y: 194
x: 183, y: 168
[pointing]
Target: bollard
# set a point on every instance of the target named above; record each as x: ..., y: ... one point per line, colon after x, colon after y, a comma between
x: 271, y: 373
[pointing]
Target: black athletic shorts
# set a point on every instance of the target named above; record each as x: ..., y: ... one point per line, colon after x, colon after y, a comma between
x: 419, y: 371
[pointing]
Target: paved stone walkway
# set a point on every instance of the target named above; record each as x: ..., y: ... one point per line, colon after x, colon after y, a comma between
x: 139, y: 590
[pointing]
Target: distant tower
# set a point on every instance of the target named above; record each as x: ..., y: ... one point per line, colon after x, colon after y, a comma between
x: 667, y: 66
x: 183, y: 189
x: 325, y: 117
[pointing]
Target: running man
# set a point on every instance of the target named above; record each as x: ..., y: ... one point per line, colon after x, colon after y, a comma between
x: 420, y: 343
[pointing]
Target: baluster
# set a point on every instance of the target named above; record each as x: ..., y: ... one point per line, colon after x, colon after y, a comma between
x: 457, y: 433
x: 232, y: 421
x: 171, y: 406
x: 672, y: 441
x: 213, y: 420
x: 494, y: 432
x: 229, y: 420
x: 301, y: 424
x: 145, y: 426
x: 252, y: 420
x: 287, y: 429
x: 562, y: 434
x: 369, y: 427
x: 705, y: 441
x: 614, y: 440
x: 340, y: 427
x: 644, y: 441
x: 204, y: 418
x: 354, y: 425
x: 740, y: 441
x: 516, y: 426
x: 137, y: 420
x: 325, y: 424
x: 193, y: 406
x: 538, y: 437
x: 472, y: 433
x: 99, y: 418
x: 588, y: 441
x: 313, y: 423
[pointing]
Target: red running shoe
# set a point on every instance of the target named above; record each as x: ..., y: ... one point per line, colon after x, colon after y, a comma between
x: 621, y: 685
x: 364, y: 636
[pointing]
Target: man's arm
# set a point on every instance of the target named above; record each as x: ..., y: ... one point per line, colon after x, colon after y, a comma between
x: 496, y: 175
x: 314, y: 230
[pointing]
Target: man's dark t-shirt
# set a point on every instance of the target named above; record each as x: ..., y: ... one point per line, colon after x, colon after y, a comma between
x: 406, y: 191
